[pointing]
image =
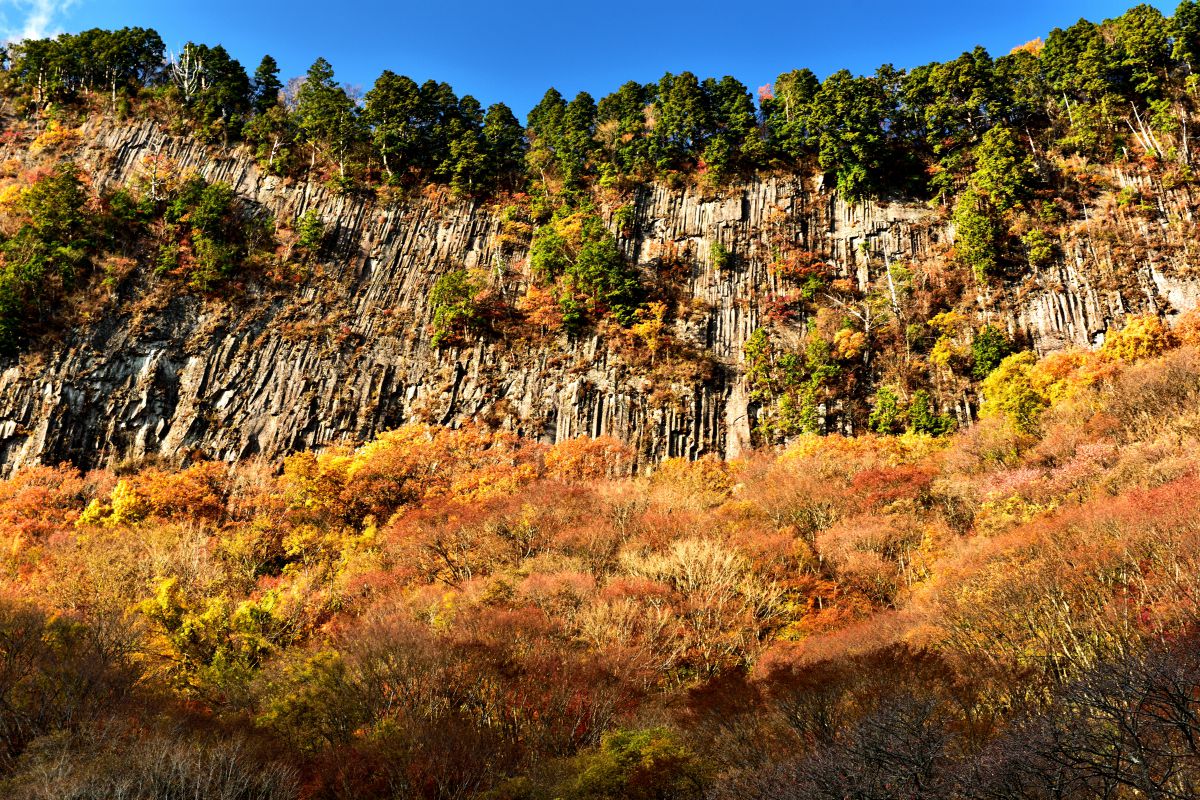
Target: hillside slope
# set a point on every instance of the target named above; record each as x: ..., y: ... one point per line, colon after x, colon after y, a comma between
x: 1009, y: 611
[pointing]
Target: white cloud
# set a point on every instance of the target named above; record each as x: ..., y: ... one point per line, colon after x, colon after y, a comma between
x: 31, y: 19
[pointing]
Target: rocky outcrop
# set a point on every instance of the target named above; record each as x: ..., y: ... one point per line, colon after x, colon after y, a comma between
x: 344, y: 354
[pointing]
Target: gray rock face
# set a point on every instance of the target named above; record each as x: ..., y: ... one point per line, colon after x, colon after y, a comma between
x: 344, y: 354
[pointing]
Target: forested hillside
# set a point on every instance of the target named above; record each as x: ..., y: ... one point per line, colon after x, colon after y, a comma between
x: 838, y: 441
x: 1006, y: 612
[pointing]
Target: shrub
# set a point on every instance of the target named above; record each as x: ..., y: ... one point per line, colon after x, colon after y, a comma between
x: 590, y: 275
x: 455, y: 306
x: 720, y: 257
x: 988, y: 349
x: 310, y: 232
x: 624, y: 219
x: 886, y: 414
x: 924, y: 418
x: 636, y: 765
x: 222, y: 235
x: 1039, y: 247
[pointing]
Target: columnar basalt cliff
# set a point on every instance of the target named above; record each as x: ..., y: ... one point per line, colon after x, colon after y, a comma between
x: 345, y: 354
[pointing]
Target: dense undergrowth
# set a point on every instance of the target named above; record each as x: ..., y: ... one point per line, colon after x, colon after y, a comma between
x: 1009, y: 611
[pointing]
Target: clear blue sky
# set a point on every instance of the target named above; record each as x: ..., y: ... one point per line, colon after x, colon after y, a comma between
x: 514, y: 51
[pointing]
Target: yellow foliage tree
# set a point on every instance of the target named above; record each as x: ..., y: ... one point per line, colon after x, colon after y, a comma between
x: 651, y: 326
x: 1010, y: 390
x: 1143, y: 336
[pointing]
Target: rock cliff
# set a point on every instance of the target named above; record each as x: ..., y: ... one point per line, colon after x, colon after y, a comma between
x: 344, y: 354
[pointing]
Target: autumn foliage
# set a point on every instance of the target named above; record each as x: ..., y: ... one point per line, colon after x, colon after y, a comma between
x: 451, y: 613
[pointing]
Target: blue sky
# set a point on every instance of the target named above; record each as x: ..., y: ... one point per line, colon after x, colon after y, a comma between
x: 514, y: 51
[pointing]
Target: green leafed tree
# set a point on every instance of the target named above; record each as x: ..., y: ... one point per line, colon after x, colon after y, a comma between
x: 272, y: 135
x: 44, y: 257
x: 266, y: 85
x: 788, y: 113
x: 680, y: 121
x: 326, y: 117
x: 392, y: 110
x: 504, y: 147
x: 849, y: 115
x: 977, y: 233
x: 734, y: 141
x: 1142, y: 39
x: 466, y: 168
x: 887, y: 413
x: 224, y: 96
x: 545, y: 132
x: 622, y: 129
x: 988, y: 349
x: 1003, y: 169
x: 1185, y: 34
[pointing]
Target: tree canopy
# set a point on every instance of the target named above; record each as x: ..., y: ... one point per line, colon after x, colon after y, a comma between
x: 912, y: 131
